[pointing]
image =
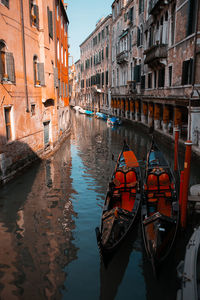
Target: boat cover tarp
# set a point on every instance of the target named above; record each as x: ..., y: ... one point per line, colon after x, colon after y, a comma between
x: 130, y: 159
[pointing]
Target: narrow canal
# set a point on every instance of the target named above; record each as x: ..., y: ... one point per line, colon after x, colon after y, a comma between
x: 48, y: 217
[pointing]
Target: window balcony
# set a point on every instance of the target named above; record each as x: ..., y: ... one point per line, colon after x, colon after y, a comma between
x: 155, y: 54
x: 122, y: 57
x: 155, y: 6
x: 131, y: 87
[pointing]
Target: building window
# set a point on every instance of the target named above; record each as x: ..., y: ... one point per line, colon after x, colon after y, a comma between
x: 5, y: 2
x: 137, y: 73
x: 170, y: 75
x: 7, y: 113
x: 173, y: 15
x: 57, y: 10
x: 46, y: 133
x: 66, y: 27
x: 65, y: 58
x: 66, y: 90
x: 32, y: 109
x: 62, y: 54
x: 7, y: 65
x: 161, y: 77
x: 34, y: 13
x: 106, y: 77
x: 141, y: 6
x: 107, y: 30
x: 138, y: 37
x: 187, y: 69
x: 106, y: 51
x: 50, y: 22
x: 149, y: 80
x: 58, y: 49
x: 191, y: 16
x: 38, y: 71
x: 102, y: 78
x: 155, y: 79
x: 143, y: 82
x: 99, y: 36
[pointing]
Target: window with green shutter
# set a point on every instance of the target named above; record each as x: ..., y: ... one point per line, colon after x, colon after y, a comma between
x: 50, y: 22
x: 55, y: 71
x: 41, y: 77
x: 10, y: 66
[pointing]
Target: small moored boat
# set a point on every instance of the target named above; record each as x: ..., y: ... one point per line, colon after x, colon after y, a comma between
x: 160, y: 207
x: 89, y: 113
x: 188, y: 270
x: 113, y: 121
x: 122, y: 202
x: 101, y: 116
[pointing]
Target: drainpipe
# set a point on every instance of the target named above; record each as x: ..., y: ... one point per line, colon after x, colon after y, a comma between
x: 194, y: 68
x: 24, y: 55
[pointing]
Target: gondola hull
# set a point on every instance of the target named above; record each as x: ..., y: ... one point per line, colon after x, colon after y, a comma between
x: 160, y: 208
x: 122, y: 203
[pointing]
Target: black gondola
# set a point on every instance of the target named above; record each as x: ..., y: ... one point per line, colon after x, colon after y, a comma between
x: 121, y: 204
x: 160, y: 207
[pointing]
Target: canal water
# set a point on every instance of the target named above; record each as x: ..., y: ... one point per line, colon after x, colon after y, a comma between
x: 48, y: 217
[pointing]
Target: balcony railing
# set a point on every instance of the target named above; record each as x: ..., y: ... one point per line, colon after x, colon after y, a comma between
x: 155, y: 6
x: 155, y: 53
x: 122, y: 57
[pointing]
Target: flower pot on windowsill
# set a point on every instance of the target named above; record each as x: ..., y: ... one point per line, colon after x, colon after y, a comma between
x: 33, y: 17
x: 37, y: 82
x: 5, y: 77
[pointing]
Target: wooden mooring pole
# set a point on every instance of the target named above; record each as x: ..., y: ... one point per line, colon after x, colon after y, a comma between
x: 176, y: 131
x: 186, y: 179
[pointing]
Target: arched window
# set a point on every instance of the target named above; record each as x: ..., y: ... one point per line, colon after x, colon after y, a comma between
x: 34, y: 13
x: 7, y: 66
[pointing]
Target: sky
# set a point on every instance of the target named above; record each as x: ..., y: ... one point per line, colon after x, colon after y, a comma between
x: 83, y: 16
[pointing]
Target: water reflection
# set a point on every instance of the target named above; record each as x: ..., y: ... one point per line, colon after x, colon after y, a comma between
x: 36, y: 230
x: 48, y: 216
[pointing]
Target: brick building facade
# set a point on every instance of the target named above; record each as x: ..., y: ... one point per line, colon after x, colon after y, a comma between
x: 95, y: 63
x: 29, y: 102
x: 155, y: 64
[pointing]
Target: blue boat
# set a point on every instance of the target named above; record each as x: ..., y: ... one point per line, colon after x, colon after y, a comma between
x: 101, y: 116
x: 89, y: 113
x: 113, y: 121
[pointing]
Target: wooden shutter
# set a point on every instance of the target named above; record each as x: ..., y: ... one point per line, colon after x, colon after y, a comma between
x: 55, y: 71
x: 10, y: 66
x: 41, y: 77
x: 190, y: 79
x: 46, y: 133
x: 5, y: 2
x: 36, y: 13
